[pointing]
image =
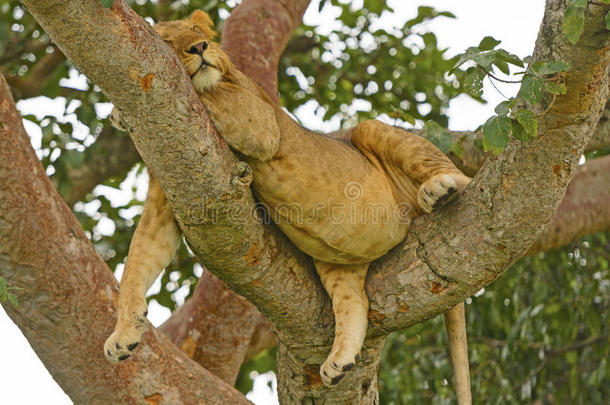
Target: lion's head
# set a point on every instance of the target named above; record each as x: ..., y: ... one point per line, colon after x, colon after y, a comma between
x: 191, y: 39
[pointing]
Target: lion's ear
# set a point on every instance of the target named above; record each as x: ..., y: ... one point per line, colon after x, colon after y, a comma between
x: 204, y: 22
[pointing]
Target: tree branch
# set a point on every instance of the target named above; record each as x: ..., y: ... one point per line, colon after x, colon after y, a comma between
x: 584, y: 209
x: 450, y: 254
x: 270, y: 24
x: 68, y: 295
x: 214, y: 327
x: 32, y: 84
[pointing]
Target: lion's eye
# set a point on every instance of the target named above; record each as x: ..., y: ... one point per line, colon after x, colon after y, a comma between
x: 196, y: 29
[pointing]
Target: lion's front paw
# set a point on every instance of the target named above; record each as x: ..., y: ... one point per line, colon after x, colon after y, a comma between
x: 121, y: 344
x: 336, y: 365
x: 128, y: 332
x: 438, y: 189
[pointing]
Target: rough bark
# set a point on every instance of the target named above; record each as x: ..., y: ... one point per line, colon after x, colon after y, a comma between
x: 446, y: 257
x: 68, y: 295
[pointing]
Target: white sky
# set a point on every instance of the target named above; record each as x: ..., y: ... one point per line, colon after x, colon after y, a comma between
x: 23, y: 378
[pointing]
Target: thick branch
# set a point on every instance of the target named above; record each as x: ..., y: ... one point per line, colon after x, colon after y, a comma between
x: 33, y: 83
x: 68, y: 295
x: 585, y: 208
x: 214, y: 327
x: 450, y: 254
x: 270, y: 24
x: 601, y: 136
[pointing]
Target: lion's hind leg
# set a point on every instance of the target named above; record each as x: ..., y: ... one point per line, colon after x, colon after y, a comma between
x: 419, y: 171
x: 344, y: 283
x: 152, y: 247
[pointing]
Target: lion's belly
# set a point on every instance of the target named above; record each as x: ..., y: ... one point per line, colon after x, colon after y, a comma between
x: 331, y: 202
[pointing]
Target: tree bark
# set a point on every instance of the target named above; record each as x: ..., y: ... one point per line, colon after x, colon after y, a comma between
x: 446, y: 257
x: 68, y: 296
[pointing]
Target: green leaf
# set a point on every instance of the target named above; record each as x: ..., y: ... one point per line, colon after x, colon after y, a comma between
x: 473, y: 81
x: 12, y: 298
x: 510, y: 58
x: 518, y: 131
x: 608, y: 21
x: 531, y: 89
x: 408, y: 118
x: 529, y: 122
x: 497, y: 131
x: 504, y: 107
x: 548, y: 68
x: 470, y: 52
x: 438, y: 136
x: 502, y: 65
x: 107, y: 3
x: 574, y: 21
x: 485, y: 58
x: 3, y: 289
x: 488, y: 43
x: 555, y: 88
x: 376, y: 6
x: 457, y: 149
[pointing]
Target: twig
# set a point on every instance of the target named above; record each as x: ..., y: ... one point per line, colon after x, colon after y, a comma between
x: 502, y: 80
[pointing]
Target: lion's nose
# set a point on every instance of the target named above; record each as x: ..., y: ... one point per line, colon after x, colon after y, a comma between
x: 198, y: 49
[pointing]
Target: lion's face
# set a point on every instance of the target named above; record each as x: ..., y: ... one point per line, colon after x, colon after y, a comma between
x: 191, y: 39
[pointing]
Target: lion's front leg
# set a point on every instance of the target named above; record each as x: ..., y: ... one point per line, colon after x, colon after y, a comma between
x: 152, y: 247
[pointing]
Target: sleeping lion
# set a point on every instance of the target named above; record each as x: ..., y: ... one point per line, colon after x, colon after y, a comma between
x: 344, y: 204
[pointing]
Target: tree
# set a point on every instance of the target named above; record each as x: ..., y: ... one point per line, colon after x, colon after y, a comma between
x: 442, y: 261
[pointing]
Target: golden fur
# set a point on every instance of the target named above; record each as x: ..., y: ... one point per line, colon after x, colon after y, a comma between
x: 344, y: 205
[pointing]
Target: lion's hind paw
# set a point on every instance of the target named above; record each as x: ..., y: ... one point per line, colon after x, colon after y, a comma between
x: 436, y: 191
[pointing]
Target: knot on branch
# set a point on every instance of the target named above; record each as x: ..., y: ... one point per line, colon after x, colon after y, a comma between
x: 242, y: 175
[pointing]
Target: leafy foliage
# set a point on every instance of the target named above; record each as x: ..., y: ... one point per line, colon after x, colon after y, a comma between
x: 540, y: 333
x: 540, y: 79
x: 398, y: 71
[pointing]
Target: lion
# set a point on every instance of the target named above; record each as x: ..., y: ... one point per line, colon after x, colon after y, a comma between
x: 354, y: 200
